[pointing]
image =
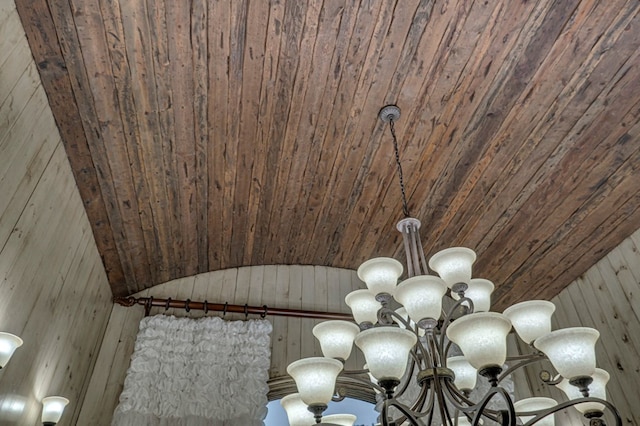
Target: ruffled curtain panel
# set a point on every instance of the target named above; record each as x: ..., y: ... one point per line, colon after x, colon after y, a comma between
x: 187, y: 372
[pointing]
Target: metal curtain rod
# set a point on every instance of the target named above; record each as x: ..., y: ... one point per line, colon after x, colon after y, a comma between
x: 264, y: 310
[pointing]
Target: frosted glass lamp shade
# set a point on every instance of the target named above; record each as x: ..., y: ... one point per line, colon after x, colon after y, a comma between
x: 364, y: 306
x: 380, y: 274
x: 479, y: 292
x: 297, y: 411
x: 571, y: 350
x: 336, y: 338
x: 315, y: 378
x: 465, y: 375
x: 453, y: 264
x: 536, y: 404
x: 531, y: 319
x: 482, y: 337
x: 421, y: 296
x: 8, y: 345
x: 386, y: 350
x: 597, y: 389
x: 340, y: 419
x: 52, y: 409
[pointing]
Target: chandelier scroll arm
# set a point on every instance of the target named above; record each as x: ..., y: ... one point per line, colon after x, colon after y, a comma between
x: 462, y: 403
x: 524, y: 360
x: 448, y: 318
x: 541, y: 414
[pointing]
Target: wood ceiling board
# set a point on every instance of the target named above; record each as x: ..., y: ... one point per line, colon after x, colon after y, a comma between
x: 234, y: 133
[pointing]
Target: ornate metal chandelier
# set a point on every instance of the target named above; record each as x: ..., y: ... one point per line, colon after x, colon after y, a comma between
x: 414, y: 344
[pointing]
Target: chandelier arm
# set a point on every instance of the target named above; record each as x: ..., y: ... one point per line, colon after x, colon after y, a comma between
x: 414, y: 250
x: 407, y: 413
x: 541, y: 414
x: 464, y: 404
x: 399, y: 392
x: 482, y: 407
x: 425, y: 269
x: 418, y: 410
x: 448, y: 318
x: 361, y: 380
x: 533, y: 358
x: 442, y: 405
x: 406, y: 235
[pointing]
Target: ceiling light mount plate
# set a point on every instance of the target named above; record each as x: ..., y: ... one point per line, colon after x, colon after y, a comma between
x: 389, y: 113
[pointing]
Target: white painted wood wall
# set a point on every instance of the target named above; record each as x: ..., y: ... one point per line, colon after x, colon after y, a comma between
x: 53, y: 289
x: 295, y: 287
x: 607, y: 297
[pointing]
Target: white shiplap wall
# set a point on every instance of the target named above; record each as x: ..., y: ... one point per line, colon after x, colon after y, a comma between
x: 282, y: 286
x: 606, y: 297
x: 53, y: 288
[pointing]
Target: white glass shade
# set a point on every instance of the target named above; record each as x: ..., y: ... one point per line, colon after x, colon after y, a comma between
x: 465, y: 375
x: 380, y: 274
x: 597, y: 389
x: 364, y: 306
x: 453, y: 264
x: 479, y: 292
x: 336, y: 338
x: 52, y: 408
x: 386, y: 350
x: 340, y: 419
x: 403, y: 313
x: 8, y: 344
x: 421, y: 296
x: 536, y: 404
x: 482, y: 337
x: 297, y: 411
x: 531, y: 319
x: 571, y: 350
x: 315, y: 378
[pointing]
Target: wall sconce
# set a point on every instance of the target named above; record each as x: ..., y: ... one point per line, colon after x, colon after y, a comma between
x: 8, y: 344
x: 52, y: 409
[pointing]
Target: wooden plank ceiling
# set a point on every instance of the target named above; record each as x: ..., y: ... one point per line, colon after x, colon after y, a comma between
x: 210, y: 134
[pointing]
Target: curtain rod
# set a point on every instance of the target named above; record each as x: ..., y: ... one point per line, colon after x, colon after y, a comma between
x: 264, y: 310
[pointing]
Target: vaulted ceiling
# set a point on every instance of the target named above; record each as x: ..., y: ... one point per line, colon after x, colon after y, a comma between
x: 208, y: 134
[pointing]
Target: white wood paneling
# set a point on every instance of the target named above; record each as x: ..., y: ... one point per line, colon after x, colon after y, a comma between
x: 53, y: 287
x: 307, y: 287
x: 605, y: 298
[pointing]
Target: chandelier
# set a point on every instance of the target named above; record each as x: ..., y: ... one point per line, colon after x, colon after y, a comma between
x: 414, y: 344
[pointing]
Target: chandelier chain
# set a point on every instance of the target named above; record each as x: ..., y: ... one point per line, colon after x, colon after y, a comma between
x: 405, y: 208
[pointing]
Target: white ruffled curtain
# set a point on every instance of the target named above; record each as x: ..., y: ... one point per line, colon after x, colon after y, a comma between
x: 187, y: 372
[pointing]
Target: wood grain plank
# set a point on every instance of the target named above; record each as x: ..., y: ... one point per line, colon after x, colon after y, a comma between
x: 251, y: 154
x: 219, y: 214
x: 42, y: 38
x: 200, y: 42
x: 301, y: 23
x: 95, y: 55
x: 268, y: 123
x: 181, y: 70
